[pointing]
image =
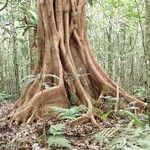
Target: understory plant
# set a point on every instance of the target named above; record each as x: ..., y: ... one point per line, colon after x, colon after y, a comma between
x: 57, y: 138
x: 71, y: 113
x: 124, y: 138
x: 4, y: 96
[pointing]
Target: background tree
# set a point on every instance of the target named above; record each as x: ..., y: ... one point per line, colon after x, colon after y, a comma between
x: 147, y: 49
x: 18, y: 20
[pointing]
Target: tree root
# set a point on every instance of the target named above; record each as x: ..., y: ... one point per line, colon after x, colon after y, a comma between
x: 89, y: 116
x: 28, y: 111
x: 20, y: 116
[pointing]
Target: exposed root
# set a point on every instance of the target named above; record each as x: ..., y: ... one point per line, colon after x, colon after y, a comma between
x: 17, y: 104
x: 28, y: 111
x: 85, y: 97
x: 89, y: 116
x: 24, y: 115
x: 20, y: 116
x: 21, y: 99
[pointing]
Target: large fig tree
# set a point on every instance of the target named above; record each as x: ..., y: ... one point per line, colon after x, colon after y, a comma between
x: 66, y: 66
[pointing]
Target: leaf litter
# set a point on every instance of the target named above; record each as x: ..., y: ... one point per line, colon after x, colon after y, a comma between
x: 34, y: 136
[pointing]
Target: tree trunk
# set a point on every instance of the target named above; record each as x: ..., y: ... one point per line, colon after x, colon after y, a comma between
x: 66, y: 65
x: 15, y: 57
x: 1, y: 73
x: 147, y: 50
x: 31, y: 49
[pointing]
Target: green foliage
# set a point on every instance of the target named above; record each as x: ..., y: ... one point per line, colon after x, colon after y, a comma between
x: 57, y: 139
x: 105, y: 134
x: 33, y: 15
x: 71, y: 113
x: 139, y: 91
x: 57, y: 129
x: 90, y: 2
x: 105, y: 116
x: 125, y: 138
x: 113, y: 2
x: 135, y: 119
x: 4, y: 96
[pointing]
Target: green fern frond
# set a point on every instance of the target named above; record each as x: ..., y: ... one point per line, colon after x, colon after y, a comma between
x: 57, y: 129
x: 124, y: 138
x: 59, y: 141
x: 71, y: 113
x: 106, y: 133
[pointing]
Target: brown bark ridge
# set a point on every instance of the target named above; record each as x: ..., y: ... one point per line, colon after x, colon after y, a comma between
x: 66, y: 65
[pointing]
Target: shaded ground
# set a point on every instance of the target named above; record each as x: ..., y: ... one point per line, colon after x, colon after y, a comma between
x: 26, y: 137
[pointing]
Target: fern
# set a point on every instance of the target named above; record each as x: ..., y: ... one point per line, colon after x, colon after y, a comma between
x: 105, y: 134
x: 71, y: 113
x: 57, y: 139
x: 124, y: 138
x: 57, y: 129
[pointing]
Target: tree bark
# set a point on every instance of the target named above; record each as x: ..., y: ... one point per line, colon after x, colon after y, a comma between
x: 66, y: 65
x: 15, y: 57
x: 147, y: 50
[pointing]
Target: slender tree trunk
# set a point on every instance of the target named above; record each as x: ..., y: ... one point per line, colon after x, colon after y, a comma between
x: 109, y: 48
x: 16, y: 69
x: 32, y: 49
x: 1, y: 72
x: 15, y: 58
x: 66, y: 65
x: 147, y: 50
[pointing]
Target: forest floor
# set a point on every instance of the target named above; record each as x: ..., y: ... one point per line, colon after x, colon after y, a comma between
x: 26, y: 137
x: 35, y: 136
